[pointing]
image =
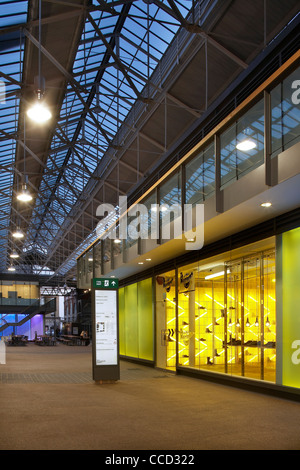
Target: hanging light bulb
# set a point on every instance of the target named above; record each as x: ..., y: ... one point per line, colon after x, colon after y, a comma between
x: 39, y: 111
x: 18, y: 234
x: 267, y: 322
x: 238, y: 323
x: 256, y: 322
x: 247, y: 322
x: 24, y: 195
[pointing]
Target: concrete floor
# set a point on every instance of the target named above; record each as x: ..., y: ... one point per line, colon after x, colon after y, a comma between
x: 50, y: 402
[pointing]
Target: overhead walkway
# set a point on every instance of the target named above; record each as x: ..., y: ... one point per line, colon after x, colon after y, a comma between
x: 36, y: 309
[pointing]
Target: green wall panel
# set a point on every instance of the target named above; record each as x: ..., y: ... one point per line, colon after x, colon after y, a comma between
x: 131, y: 321
x: 136, y: 320
x: 145, y: 319
x: 291, y: 308
x: 122, y: 342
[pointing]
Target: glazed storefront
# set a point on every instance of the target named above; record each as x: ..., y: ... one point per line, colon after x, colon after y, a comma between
x: 234, y: 314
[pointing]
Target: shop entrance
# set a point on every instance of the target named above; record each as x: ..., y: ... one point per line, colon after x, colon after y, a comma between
x: 166, y: 321
x: 227, y: 316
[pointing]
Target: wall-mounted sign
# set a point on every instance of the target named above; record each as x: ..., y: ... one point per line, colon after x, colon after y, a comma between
x: 105, y: 329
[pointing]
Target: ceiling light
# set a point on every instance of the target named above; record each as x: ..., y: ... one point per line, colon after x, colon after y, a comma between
x: 148, y: 259
x: 24, y: 195
x: 39, y: 112
x: 266, y: 204
x: 211, y: 276
x: 18, y: 234
x: 141, y: 262
x: 246, y: 145
x: 162, y: 208
x: 117, y: 240
x: 11, y: 268
x: 14, y: 254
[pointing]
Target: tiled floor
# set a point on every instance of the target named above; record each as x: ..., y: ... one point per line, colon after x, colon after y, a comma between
x: 50, y: 402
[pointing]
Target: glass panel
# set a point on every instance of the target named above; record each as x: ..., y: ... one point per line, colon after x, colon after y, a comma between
x: 291, y: 109
x: 145, y: 319
x: 227, y: 315
x: 98, y: 259
x: 148, y: 202
x: 269, y: 319
x: 131, y: 321
x: 200, y: 176
x: 253, y: 316
x: 285, y: 105
x: 242, y: 145
x: 166, y: 321
x: 170, y: 204
x: 201, y: 317
x: 136, y: 320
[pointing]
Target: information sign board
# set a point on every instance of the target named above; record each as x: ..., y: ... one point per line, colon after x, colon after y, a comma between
x: 105, y: 329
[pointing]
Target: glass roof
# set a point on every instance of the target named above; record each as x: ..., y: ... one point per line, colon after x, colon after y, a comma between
x: 11, y: 57
x: 120, y: 49
x: 113, y: 64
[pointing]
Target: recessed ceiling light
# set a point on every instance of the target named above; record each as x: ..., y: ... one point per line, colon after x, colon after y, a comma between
x: 161, y: 208
x: 148, y: 259
x: 266, y: 204
x: 140, y: 262
x: 211, y: 276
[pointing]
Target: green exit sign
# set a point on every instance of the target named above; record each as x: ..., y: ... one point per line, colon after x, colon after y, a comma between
x: 103, y: 283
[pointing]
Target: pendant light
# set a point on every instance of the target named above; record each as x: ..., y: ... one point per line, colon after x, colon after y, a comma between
x: 18, y: 233
x: 24, y: 195
x: 14, y: 255
x: 11, y: 268
x: 39, y: 111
